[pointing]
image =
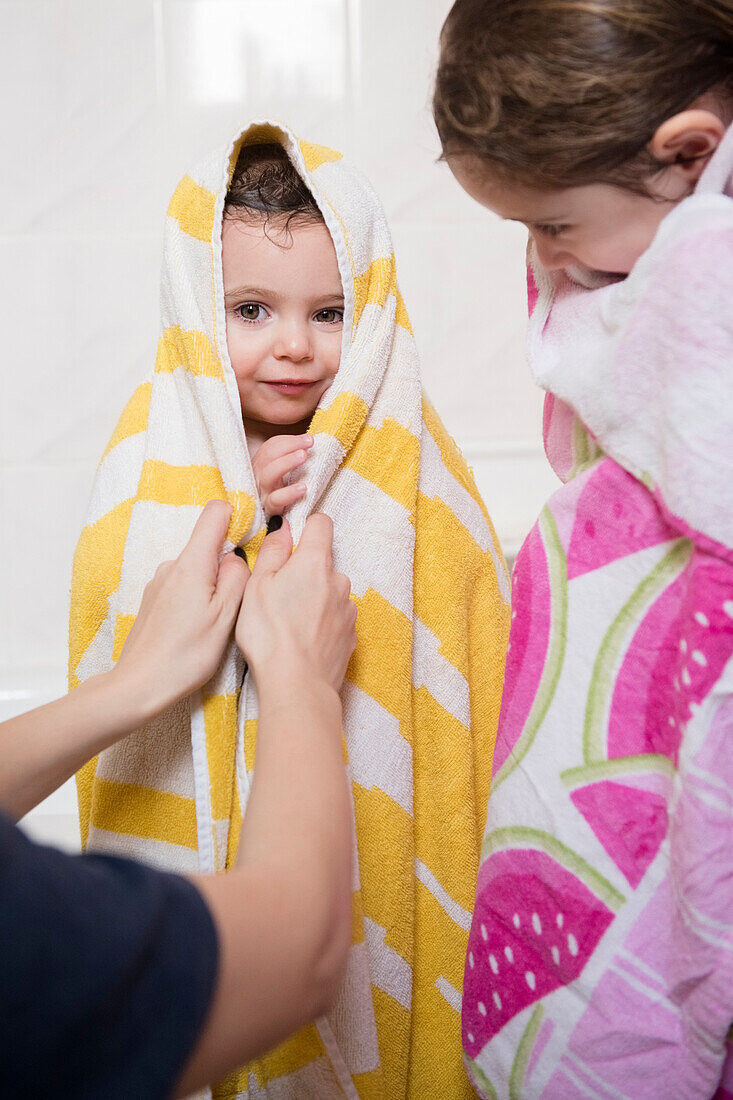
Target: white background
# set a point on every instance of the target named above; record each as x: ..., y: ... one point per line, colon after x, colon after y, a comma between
x: 104, y: 104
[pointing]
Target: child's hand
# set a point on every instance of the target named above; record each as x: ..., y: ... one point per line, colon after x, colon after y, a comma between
x: 276, y: 458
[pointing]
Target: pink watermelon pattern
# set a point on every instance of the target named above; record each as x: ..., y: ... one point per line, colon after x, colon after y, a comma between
x: 531, y: 590
x: 672, y: 661
x: 630, y: 823
x: 612, y: 519
x: 536, y: 644
x: 651, y: 649
x: 535, y: 926
x: 557, y: 434
x: 528, y: 643
x: 569, y: 446
x: 646, y: 716
x: 706, y: 637
x: 542, y: 908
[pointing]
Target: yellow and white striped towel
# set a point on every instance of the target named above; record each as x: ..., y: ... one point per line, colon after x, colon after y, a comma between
x: 423, y: 689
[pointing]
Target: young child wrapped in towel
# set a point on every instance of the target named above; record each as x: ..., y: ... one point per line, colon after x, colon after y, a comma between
x: 287, y: 377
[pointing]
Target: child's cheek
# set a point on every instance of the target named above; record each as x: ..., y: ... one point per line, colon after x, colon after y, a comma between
x: 334, y: 352
x: 242, y: 353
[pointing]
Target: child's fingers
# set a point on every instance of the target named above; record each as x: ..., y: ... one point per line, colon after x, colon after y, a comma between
x: 276, y: 503
x: 271, y: 476
x: 280, y: 445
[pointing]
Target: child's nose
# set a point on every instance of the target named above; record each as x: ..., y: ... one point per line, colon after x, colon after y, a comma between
x: 293, y: 342
x: 551, y: 256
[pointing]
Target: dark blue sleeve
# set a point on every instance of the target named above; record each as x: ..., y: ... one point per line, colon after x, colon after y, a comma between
x: 106, y: 973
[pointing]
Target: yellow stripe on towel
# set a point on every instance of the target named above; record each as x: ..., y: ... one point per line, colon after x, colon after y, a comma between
x: 123, y: 626
x: 129, y: 809
x: 188, y: 349
x: 316, y: 155
x: 389, y: 457
x: 382, y: 631
x: 134, y: 417
x: 192, y: 206
x: 342, y: 419
x: 95, y: 576
x: 374, y: 286
x: 220, y: 720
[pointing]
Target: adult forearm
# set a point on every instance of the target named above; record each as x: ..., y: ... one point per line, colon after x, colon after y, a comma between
x: 299, y: 769
x: 41, y: 749
x: 299, y: 813
x: 283, y: 915
x: 184, y: 621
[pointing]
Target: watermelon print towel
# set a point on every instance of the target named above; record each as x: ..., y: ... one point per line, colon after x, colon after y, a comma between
x: 600, y: 959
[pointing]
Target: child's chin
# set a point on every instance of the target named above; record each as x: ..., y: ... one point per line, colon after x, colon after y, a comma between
x: 290, y: 418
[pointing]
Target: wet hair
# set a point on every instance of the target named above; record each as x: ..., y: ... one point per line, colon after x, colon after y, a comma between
x: 560, y: 93
x: 265, y: 186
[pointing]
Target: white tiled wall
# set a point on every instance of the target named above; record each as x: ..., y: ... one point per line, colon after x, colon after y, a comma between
x: 103, y: 104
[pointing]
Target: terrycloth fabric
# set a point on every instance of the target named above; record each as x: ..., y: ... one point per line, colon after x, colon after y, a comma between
x: 600, y: 959
x: 422, y: 695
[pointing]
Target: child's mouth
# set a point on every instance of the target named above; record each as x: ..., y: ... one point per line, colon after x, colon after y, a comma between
x: 290, y: 385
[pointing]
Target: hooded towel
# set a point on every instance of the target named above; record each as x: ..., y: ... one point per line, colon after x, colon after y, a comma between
x: 422, y: 692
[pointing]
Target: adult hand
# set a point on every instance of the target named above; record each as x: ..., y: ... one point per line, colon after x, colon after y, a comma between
x: 186, y: 616
x: 296, y: 611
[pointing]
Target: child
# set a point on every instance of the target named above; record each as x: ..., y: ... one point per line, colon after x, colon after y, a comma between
x: 284, y: 351
x: 281, y: 320
x: 600, y: 959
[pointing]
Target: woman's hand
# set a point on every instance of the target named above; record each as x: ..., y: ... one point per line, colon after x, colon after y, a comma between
x: 273, y: 461
x: 186, y: 616
x: 175, y: 645
x: 296, y: 612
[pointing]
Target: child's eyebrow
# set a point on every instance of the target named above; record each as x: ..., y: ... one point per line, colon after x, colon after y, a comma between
x: 238, y: 293
x: 249, y: 291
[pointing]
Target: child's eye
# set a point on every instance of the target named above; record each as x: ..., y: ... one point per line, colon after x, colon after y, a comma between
x: 551, y: 230
x: 330, y: 316
x: 251, y: 311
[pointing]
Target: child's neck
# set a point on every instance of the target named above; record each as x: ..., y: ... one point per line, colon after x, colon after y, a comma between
x: 257, y: 432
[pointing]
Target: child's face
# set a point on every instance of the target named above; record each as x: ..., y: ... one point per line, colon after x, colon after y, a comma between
x: 284, y: 315
x: 597, y: 227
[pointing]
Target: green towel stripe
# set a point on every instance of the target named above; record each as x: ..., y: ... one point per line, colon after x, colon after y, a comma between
x: 519, y: 1065
x: 619, y: 767
x: 480, y: 1078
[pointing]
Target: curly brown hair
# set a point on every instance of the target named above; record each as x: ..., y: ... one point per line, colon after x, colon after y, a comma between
x: 560, y: 93
x: 265, y: 185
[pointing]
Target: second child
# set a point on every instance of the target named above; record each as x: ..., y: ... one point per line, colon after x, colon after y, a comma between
x: 600, y: 960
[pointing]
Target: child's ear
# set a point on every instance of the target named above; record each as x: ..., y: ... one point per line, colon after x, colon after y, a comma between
x: 687, y: 141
